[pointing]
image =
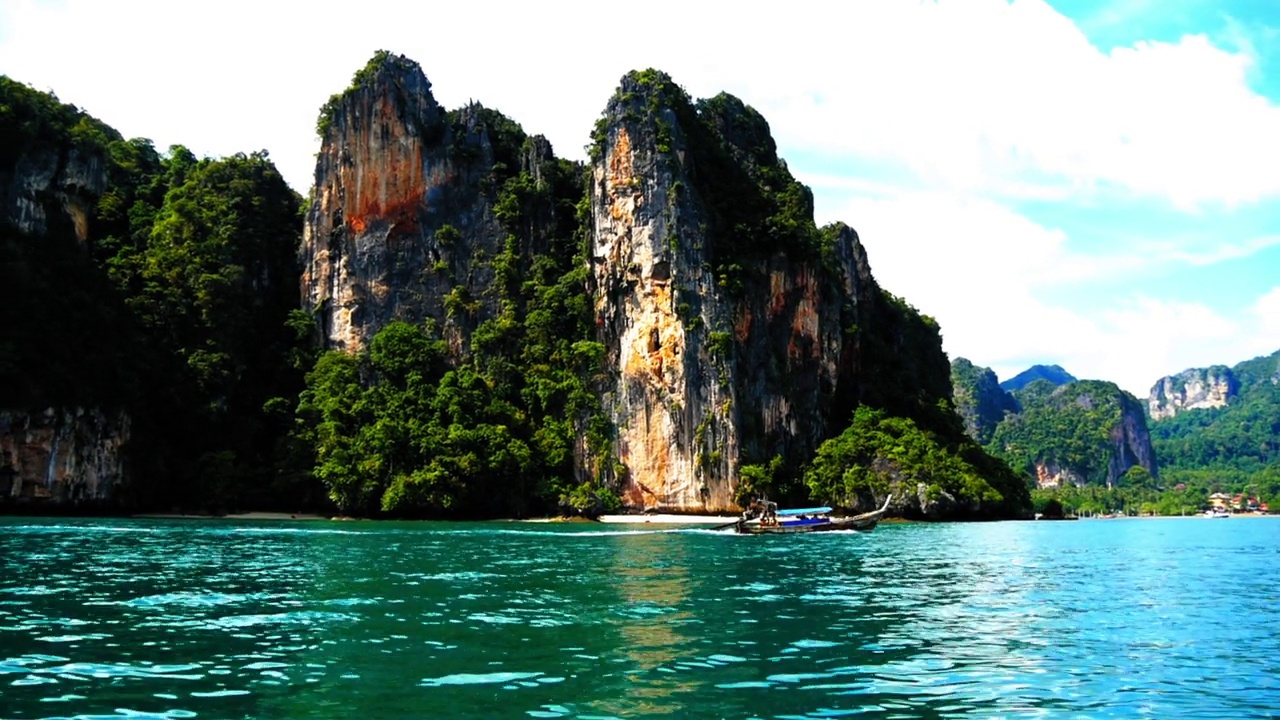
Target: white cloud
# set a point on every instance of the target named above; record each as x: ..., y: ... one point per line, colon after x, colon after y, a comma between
x: 975, y: 266
x: 1144, y: 332
x: 974, y: 102
x: 982, y: 271
x: 1267, y: 313
x: 980, y: 94
x: 1205, y: 253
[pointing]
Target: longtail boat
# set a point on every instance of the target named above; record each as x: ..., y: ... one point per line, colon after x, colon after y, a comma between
x: 764, y: 518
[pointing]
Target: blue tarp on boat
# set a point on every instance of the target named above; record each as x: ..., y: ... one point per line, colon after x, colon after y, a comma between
x: 804, y: 511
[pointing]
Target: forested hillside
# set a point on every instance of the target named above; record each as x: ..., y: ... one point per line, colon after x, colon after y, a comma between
x: 1214, y: 429
x: 1233, y: 448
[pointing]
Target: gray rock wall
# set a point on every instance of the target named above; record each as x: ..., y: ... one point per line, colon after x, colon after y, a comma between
x: 61, y: 456
x: 1210, y: 387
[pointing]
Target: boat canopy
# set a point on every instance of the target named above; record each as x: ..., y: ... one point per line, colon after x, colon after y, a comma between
x: 805, y: 511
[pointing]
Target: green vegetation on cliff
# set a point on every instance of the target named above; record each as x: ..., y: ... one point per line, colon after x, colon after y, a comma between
x: 1075, y: 427
x: 363, y: 78
x: 754, y: 207
x: 879, y: 454
x: 1242, y: 437
x: 752, y: 211
x: 180, y: 308
x: 409, y: 428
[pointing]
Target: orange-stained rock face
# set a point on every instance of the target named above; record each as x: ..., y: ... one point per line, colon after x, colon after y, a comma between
x: 386, y: 182
x: 650, y: 348
x: 703, y: 381
x: 384, y: 177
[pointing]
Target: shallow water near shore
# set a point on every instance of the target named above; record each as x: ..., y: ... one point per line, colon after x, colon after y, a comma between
x: 221, y: 619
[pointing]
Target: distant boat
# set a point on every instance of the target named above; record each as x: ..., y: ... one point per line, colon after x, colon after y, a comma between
x: 764, y: 518
x: 1216, y: 513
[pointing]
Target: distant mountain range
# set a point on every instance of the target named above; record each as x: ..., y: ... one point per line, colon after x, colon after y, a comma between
x: 1053, y: 373
x: 1213, y: 424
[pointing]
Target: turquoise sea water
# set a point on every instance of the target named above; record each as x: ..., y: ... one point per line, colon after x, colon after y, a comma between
x: 223, y: 619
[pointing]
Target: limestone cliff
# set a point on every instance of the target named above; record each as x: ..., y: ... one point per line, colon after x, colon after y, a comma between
x: 1210, y: 387
x: 1053, y: 475
x: 402, y: 223
x: 723, y: 348
x: 46, y: 183
x: 68, y: 456
x: 721, y: 329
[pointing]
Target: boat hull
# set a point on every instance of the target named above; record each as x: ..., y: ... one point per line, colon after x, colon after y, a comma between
x: 865, y: 522
x: 861, y: 525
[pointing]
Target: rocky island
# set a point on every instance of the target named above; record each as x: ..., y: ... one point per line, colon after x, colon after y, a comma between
x: 462, y: 324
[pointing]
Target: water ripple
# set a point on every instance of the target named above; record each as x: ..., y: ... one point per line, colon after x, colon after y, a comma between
x: 216, y: 619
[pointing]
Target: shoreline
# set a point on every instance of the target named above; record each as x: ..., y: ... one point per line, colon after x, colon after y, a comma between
x: 621, y: 519
x: 251, y: 515
x: 610, y: 519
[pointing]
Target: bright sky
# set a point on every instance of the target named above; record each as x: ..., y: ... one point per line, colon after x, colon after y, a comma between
x: 1092, y: 184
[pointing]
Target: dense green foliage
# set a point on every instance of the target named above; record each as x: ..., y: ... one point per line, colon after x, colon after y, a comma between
x: 879, y: 454
x: 174, y: 309
x: 1243, y: 436
x: 908, y: 374
x: 1069, y: 426
x: 1232, y: 449
x: 1178, y: 492
x: 34, y: 121
x: 212, y: 288
x: 907, y: 431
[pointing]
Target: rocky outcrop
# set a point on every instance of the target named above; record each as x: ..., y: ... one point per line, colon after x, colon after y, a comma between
x: 1054, y: 475
x: 402, y: 223
x: 1130, y: 441
x: 716, y: 358
x: 979, y: 399
x: 1197, y: 388
x: 61, y: 456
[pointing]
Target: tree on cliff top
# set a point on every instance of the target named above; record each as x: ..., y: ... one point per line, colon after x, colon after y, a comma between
x: 364, y: 77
